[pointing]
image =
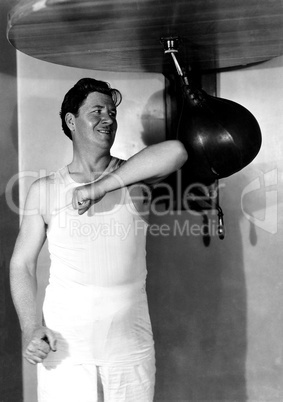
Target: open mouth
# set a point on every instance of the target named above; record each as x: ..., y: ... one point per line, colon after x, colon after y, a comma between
x: 105, y: 132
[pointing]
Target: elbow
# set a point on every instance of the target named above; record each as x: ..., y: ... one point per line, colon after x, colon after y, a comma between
x: 19, y: 268
x: 12, y: 268
x: 180, y: 154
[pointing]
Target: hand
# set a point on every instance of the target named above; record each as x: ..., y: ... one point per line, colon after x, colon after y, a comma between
x: 85, y: 196
x: 38, y: 344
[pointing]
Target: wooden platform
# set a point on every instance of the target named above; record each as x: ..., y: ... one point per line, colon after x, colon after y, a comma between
x: 124, y: 35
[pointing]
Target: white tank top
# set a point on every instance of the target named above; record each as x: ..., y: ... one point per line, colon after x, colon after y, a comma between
x: 96, y: 300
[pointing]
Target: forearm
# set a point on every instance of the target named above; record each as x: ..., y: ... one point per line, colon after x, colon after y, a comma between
x: 150, y: 164
x: 37, y: 339
x: 24, y: 288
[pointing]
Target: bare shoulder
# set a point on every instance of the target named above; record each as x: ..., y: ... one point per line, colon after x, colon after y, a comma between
x: 41, y: 185
x: 39, y: 196
x: 32, y: 233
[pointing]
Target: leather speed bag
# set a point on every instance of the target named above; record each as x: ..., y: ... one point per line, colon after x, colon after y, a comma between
x: 221, y: 136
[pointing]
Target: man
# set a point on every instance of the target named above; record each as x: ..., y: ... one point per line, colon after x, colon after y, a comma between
x: 95, y: 340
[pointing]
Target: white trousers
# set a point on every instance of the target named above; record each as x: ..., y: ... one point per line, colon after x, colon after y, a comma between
x: 90, y: 383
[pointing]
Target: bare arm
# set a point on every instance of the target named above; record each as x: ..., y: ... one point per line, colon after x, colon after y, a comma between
x: 23, y: 278
x: 150, y: 165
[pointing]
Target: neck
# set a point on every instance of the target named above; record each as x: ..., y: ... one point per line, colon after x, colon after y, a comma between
x: 86, y: 167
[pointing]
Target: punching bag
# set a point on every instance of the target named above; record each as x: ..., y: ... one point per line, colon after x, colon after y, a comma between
x: 220, y: 136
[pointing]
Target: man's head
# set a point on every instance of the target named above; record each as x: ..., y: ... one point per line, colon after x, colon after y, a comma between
x: 77, y: 95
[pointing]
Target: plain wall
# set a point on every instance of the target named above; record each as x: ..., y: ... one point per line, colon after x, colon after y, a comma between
x: 260, y: 89
x: 216, y: 309
x: 10, y: 337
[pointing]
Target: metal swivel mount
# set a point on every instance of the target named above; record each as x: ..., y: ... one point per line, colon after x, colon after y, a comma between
x: 171, y: 45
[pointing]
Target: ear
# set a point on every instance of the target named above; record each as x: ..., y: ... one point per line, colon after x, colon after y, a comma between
x: 70, y: 121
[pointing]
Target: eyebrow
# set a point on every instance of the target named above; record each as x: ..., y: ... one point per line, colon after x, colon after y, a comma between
x: 101, y: 107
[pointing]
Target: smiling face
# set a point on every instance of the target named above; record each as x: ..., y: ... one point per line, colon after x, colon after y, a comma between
x: 96, y: 121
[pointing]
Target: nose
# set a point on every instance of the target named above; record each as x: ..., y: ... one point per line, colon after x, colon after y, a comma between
x: 107, y: 119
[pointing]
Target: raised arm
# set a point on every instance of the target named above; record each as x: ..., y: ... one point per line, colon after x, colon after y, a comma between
x: 23, y: 277
x: 150, y: 165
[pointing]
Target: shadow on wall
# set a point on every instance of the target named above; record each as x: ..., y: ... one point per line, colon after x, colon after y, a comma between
x: 197, y: 301
x: 152, y: 120
x: 10, y: 335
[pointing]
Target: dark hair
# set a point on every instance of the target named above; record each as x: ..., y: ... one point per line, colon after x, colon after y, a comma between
x: 75, y: 97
